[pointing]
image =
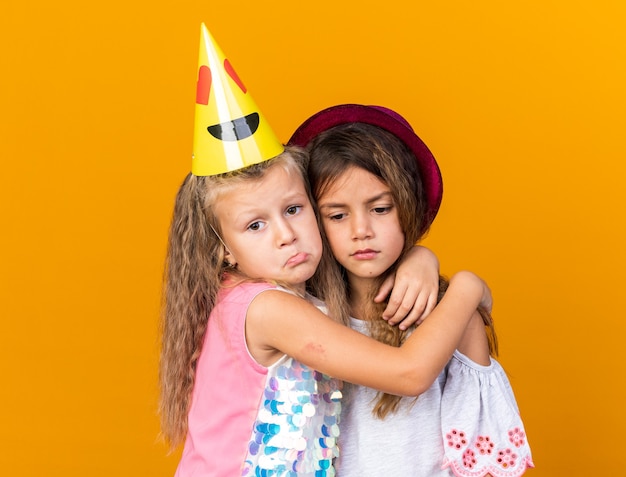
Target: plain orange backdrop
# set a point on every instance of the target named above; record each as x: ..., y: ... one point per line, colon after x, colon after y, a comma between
x: 522, y: 103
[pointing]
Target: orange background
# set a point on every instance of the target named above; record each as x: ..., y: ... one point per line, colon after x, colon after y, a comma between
x: 522, y: 104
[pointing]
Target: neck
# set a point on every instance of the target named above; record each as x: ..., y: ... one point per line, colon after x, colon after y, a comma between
x: 232, y: 275
x: 297, y: 288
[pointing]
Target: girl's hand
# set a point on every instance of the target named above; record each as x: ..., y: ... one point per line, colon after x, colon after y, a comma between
x: 413, y: 290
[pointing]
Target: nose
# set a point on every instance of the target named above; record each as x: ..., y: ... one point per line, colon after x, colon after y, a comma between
x: 285, y: 234
x: 361, y: 227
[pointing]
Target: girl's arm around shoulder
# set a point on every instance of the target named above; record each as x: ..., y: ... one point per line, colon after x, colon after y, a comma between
x: 279, y: 322
x: 413, y: 289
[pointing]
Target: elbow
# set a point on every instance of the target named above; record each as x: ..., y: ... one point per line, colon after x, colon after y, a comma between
x: 413, y: 390
x: 416, y: 382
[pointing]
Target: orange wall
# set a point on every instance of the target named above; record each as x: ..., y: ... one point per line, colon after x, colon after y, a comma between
x: 522, y: 104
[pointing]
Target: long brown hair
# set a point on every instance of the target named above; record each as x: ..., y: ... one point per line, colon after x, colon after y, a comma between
x: 194, y: 269
x: 383, y: 155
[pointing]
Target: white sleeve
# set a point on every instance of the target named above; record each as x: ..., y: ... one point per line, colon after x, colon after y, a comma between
x: 481, y: 426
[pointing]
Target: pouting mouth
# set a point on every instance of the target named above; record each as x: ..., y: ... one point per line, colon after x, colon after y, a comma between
x: 237, y: 129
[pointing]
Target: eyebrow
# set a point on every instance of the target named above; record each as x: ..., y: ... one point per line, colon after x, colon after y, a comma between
x: 291, y: 198
x: 331, y: 205
x: 295, y: 194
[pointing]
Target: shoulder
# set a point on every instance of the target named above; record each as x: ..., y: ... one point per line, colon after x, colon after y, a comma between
x: 243, y: 291
x: 276, y: 312
x: 271, y: 319
x: 275, y: 301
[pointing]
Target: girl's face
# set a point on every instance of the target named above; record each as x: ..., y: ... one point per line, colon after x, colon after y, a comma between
x: 270, y: 230
x: 362, y: 225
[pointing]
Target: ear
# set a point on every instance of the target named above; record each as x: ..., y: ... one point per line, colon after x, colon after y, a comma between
x: 229, y: 258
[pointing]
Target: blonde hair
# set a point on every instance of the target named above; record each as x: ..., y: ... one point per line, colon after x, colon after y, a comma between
x: 382, y: 154
x: 194, y: 269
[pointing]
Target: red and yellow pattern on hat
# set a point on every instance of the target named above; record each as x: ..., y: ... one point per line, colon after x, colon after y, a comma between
x: 229, y: 132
